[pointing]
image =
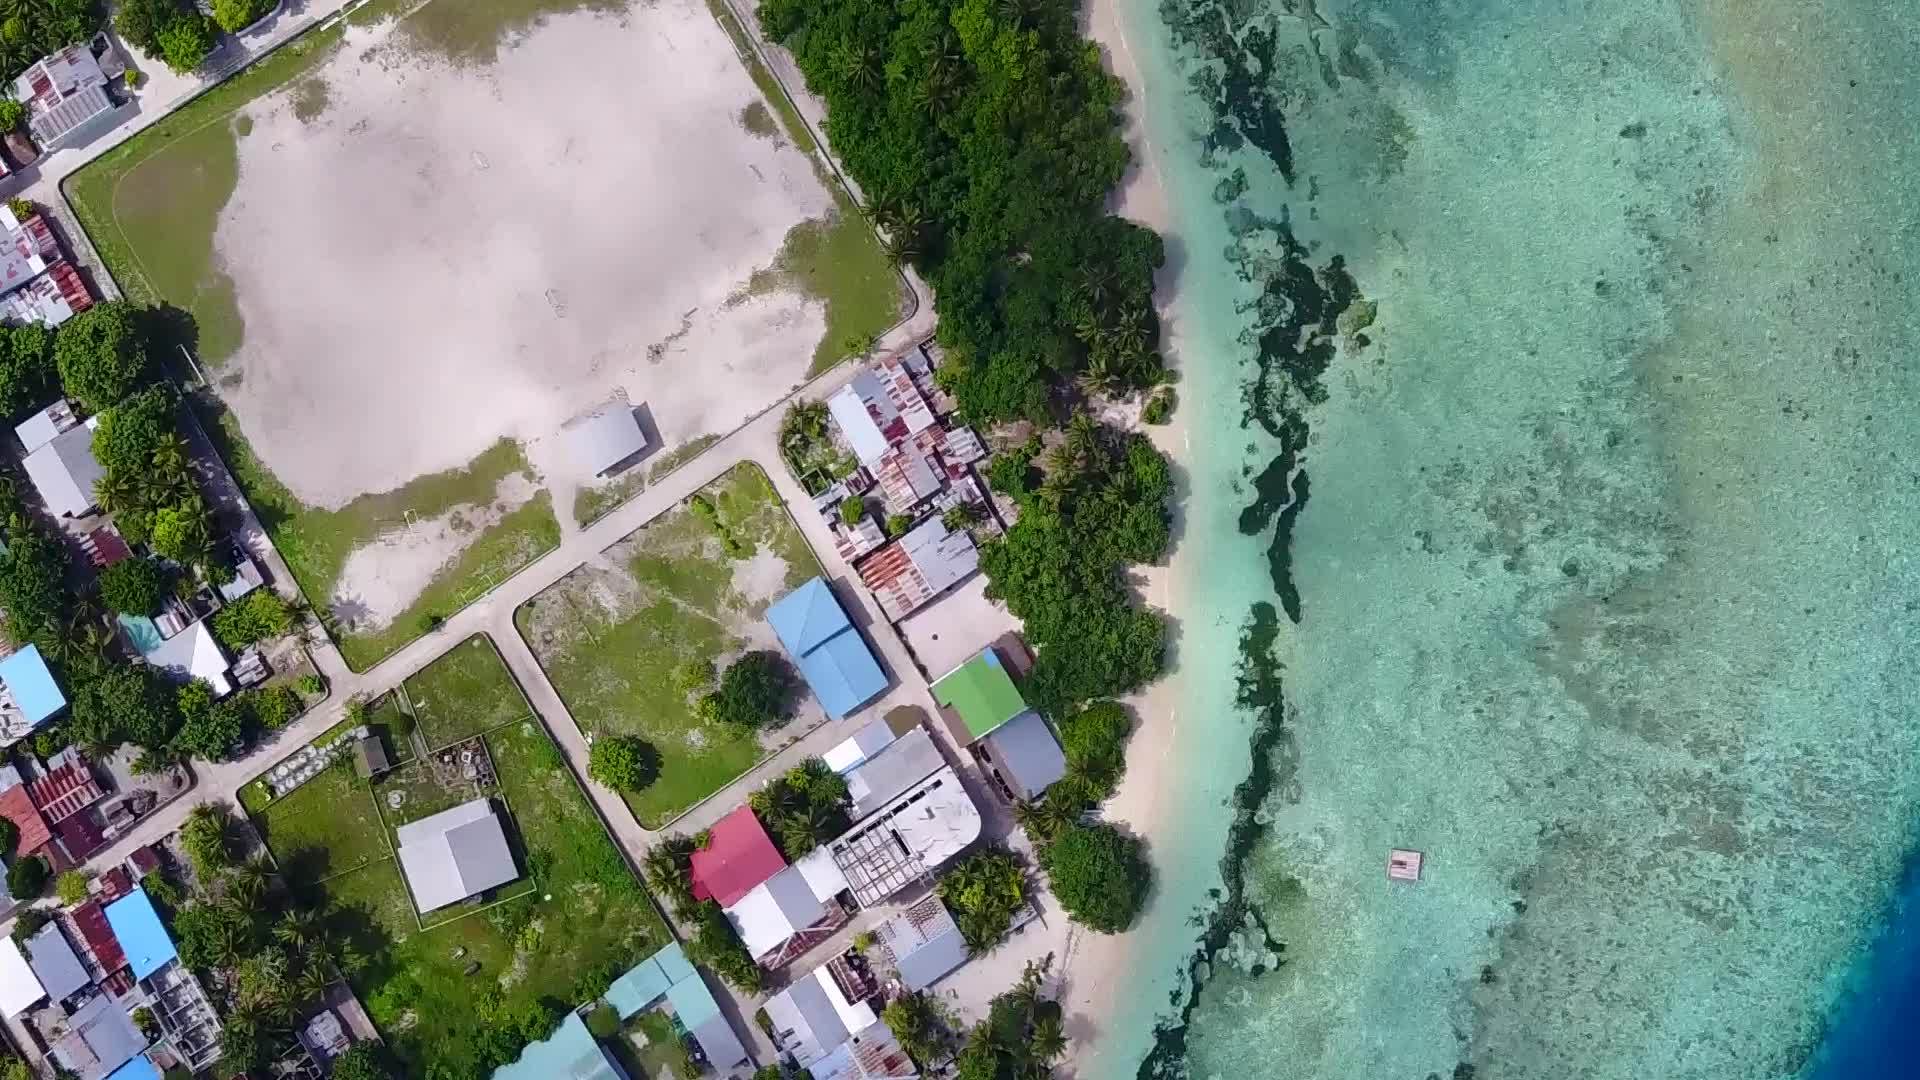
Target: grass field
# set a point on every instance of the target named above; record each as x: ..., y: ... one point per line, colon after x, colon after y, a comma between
x: 316, y: 542
x: 326, y: 825
x: 838, y: 260
x: 610, y: 636
x: 466, y: 692
x: 597, y: 923
x: 591, y: 504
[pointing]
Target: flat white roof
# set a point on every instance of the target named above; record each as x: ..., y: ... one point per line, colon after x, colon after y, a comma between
x: 64, y: 470
x: 195, y: 653
x: 850, y: 408
x: 860, y: 746
x: 19, y: 986
x: 775, y: 910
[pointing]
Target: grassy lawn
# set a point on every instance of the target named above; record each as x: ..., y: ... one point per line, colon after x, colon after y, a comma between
x: 414, y: 792
x: 838, y: 259
x: 611, y: 633
x: 466, y: 692
x: 316, y: 542
x: 598, y: 923
x: 325, y: 826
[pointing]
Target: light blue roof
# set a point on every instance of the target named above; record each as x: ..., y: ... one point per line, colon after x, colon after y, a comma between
x: 142, y: 938
x: 674, y: 962
x: 570, y: 1053
x: 830, y: 653
x: 692, y: 1002
x: 140, y: 1068
x: 640, y: 987
x: 26, y: 676
x: 807, y: 616
x: 142, y: 632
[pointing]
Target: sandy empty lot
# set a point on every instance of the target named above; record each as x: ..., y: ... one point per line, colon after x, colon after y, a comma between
x: 445, y: 255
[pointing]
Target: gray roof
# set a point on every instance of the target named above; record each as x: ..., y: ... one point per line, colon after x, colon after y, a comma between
x: 808, y: 1024
x: 719, y: 1043
x: 1026, y: 753
x: 925, y: 943
x: 55, y: 964
x: 605, y: 437
x: 455, y: 854
x: 64, y: 471
x: 881, y: 778
x: 100, y: 1038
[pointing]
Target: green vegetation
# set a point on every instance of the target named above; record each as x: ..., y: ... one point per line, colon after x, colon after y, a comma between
x: 133, y: 586
x: 985, y: 891
x: 234, y: 16
x: 923, y: 1025
x: 29, y: 375
x: 261, y: 615
x: 71, y: 887
x: 852, y: 509
x: 12, y: 115
x: 654, y: 1048
x: 149, y: 483
x: 666, y: 867
x: 1022, y: 1036
x: 804, y: 807
x: 1099, y: 874
x: 612, y: 634
x: 171, y: 30
x: 362, y: 1061
x: 755, y: 692
x: 466, y: 692
x: 593, y: 503
x: 102, y: 355
x: 34, y: 30
x: 810, y: 454
x: 27, y: 877
x: 532, y: 953
x: 1062, y: 567
x: 1160, y: 405
x: 985, y: 139
x: 716, y: 944
x: 623, y: 762
x: 836, y: 259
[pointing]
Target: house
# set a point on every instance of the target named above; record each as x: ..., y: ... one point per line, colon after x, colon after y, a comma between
x: 869, y: 414
x: 26, y: 252
x: 20, y: 988
x: 142, y: 937
x: 882, y: 778
x: 832, y: 656
x: 191, y: 652
x: 66, y: 97
x: 66, y: 788
x: 1023, y: 756
x: 873, y: 1054
x: 977, y: 697
x: 924, y: 942
x: 28, y: 695
x: 370, y: 755
x: 791, y: 911
x: 667, y: 974
x: 100, y: 1038
x: 927, y: 561
x: 812, y: 1017
x: 140, y: 1068
x: 571, y: 1052
x: 858, y: 747
x: 49, y: 299
x: 90, y: 918
x: 604, y: 438
x: 55, y: 964
x: 455, y: 854
x: 739, y: 856
x: 63, y: 468
x: 925, y: 827
x: 16, y: 805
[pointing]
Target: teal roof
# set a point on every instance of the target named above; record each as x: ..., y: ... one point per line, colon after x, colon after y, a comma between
x: 641, y: 986
x: 142, y: 632
x: 27, y: 678
x: 674, y: 962
x: 140, y: 1068
x: 570, y: 1053
x: 692, y: 1002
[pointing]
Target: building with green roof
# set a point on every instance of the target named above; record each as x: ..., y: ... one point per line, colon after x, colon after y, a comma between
x: 977, y: 697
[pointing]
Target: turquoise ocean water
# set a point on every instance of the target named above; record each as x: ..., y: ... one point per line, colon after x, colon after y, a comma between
x: 1552, y: 368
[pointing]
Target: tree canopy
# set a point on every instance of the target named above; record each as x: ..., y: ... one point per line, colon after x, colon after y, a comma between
x: 985, y: 137
x: 29, y: 377
x: 623, y: 762
x: 804, y: 807
x: 31, y: 31
x: 133, y: 586
x: 1022, y: 1035
x: 717, y: 944
x: 261, y: 615
x: 1099, y: 874
x: 754, y: 692
x: 984, y: 891
x: 1061, y: 567
x: 102, y: 354
x: 125, y: 704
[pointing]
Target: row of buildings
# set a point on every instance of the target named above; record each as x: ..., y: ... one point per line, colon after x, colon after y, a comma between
x: 37, y: 283
x: 101, y: 989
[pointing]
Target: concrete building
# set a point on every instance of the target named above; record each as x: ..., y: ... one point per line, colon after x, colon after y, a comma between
x: 454, y: 854
x: 62, y: 466
x: 882, y: 778
x: 101, y: 1037
x: 925, y: 827
x: 66, y: 97
x: 977, y: 697
x: 924, y: 943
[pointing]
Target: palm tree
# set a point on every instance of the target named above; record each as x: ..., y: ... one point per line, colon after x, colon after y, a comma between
x: 300, y: 929
x: 249, y: 883
x: 116, y: 492
x: 1083, y: 435
x: 316, y: 978
x: 1047, y: 1041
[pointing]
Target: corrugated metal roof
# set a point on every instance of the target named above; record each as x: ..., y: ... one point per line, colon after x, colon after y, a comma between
x: 137, y: 927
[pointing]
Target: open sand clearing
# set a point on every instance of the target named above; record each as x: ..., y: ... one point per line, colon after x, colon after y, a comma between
x: 446, y: 255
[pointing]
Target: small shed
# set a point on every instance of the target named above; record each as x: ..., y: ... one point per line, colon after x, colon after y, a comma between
x: 1403, y: 864
x: 604, y: 438
x: 370, y: 756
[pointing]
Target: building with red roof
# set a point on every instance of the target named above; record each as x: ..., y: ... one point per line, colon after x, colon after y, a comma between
x: 65, y: 790
x: 91, y: 920
x: 739, y: 856
x: 17, y: 806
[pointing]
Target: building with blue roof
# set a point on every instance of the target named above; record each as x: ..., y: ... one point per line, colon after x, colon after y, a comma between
x: 570, y: 1053
x: 28, y: 695
x: 140, y: 1068
x: 668, y: 974
x: 142, y: 937
x: 832, y: 656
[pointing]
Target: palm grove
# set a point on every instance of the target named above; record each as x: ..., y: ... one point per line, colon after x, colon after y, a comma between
x: 984, y: 134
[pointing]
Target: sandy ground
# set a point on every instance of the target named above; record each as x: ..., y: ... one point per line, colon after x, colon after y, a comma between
x: 444, y: 256
x: 381, y: 578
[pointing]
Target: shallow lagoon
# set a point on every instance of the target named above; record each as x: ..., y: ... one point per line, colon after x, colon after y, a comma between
x: 1603, y: 592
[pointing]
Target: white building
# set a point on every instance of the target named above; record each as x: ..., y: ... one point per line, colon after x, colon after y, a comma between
x: 60, y: 459
x: 454, y: 854
x: 66, y: 97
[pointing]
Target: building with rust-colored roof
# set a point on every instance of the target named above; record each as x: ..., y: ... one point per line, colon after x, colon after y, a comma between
x: 90, y: 919
x: 17, y: 806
